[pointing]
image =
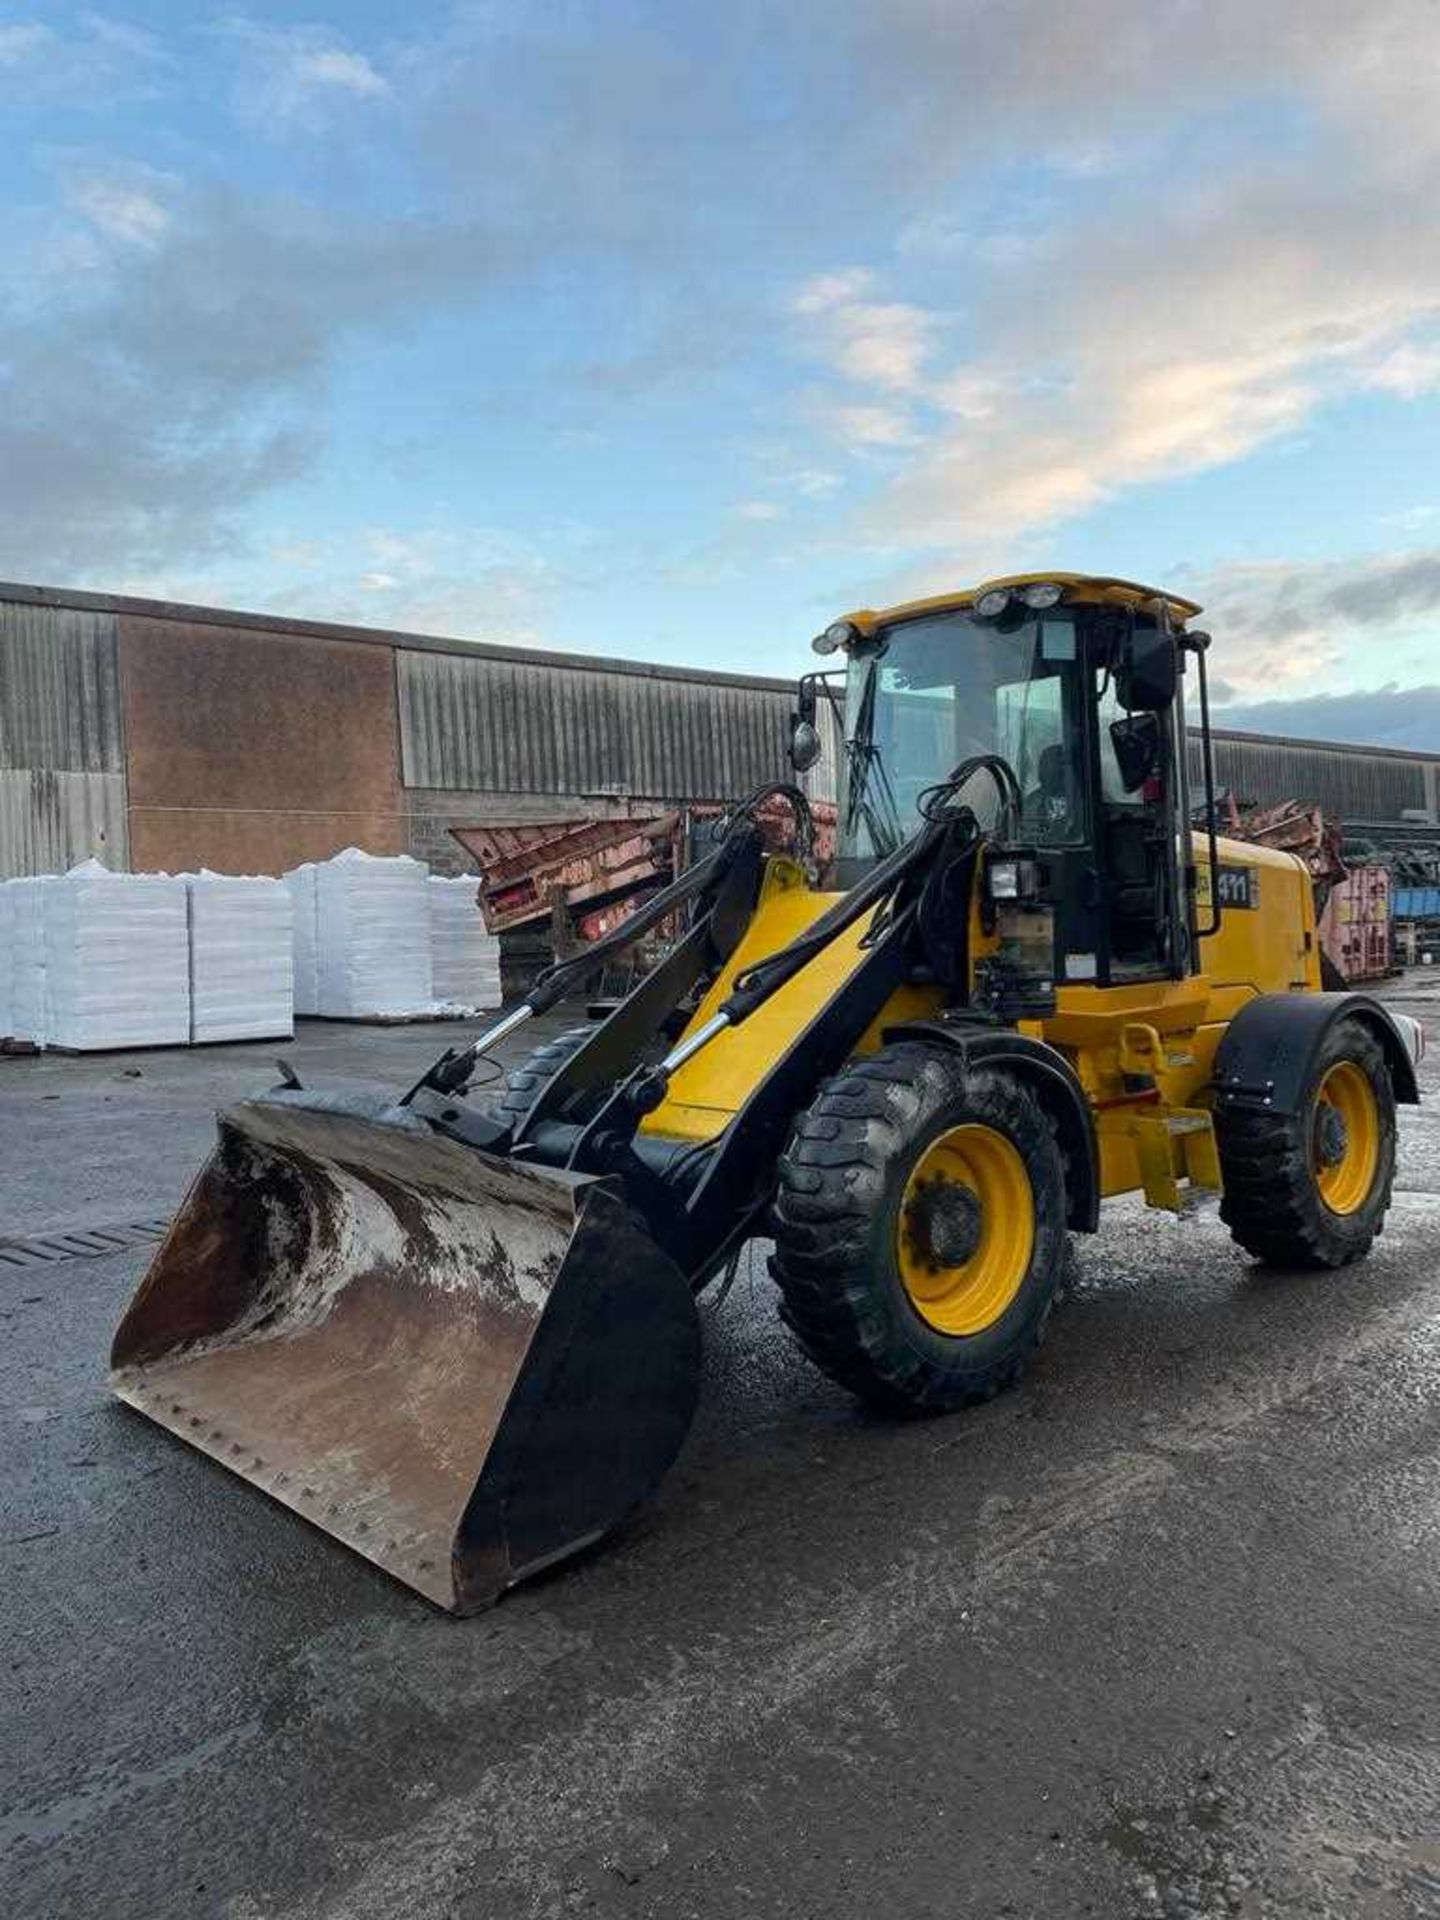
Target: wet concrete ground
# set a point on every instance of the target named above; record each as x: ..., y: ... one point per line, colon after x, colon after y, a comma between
x: 1155, y: 1635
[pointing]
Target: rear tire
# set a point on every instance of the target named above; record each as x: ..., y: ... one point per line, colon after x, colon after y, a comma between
x: 920, y: 1229
x: 1311, y: 1189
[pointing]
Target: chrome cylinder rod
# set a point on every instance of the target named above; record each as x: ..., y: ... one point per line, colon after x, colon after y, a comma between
x: 502, y: 1029
x: 687, y: 1048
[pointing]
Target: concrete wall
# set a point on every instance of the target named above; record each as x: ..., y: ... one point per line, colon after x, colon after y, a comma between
x: 249, y: 751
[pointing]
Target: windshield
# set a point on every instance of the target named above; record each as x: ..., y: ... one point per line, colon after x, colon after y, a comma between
x: 930, y: 692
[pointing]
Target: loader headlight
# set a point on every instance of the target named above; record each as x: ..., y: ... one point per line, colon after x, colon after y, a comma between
x: 992, y: 604
x: 1013, y: 879
x: 840, y: 633
x: 1042, y: 594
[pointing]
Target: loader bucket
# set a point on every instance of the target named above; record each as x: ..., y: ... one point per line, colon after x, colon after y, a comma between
x: 461, y: 1366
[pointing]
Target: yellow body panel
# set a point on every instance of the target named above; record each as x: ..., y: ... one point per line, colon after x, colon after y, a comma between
x: 1267, y: 947
x: 707, y: 1092
x: 1167, y: 1030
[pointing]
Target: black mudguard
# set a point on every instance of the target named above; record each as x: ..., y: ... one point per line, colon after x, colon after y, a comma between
x: 1265, y: 1059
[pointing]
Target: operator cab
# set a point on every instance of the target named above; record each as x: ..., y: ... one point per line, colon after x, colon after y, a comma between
x: 1072, y: 682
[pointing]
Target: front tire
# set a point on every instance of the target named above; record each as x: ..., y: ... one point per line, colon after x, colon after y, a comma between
x: 920, y: 1230
x: 1311, y: 1189
x: 524, y: 1081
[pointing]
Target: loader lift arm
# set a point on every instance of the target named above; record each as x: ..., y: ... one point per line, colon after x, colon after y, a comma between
x: 704, y: 884
x: 701, y: 1201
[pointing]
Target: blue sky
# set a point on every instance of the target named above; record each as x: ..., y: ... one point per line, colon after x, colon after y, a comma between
x: 671, y: 331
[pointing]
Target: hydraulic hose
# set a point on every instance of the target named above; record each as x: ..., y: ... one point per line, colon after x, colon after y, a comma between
x: 767, y: 976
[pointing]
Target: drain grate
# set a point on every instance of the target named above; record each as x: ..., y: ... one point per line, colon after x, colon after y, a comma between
x: 84, y: 1243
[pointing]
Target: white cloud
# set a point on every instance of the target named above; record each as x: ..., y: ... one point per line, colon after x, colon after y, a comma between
x: 1226, y: 286
x: 338, y: 67
x: 293, y: 77
x: 759, y: 510
x: 1273, y: 306
x: 1262, y: 244
x: 91, y: 67
x: 815, y: 483
x: 868, y: 342
x: 1287, y: 626
x: 1408, y: 371
x: 20, y: 39
x: 378, y: 582
x: 827, y: 291
x: 883, y: 346
x: 123, y: 204
x: 861, y: 428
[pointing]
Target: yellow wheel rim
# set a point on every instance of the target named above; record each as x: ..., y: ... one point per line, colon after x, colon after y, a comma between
x: 1345, y: 1137
x: 966, y: 1229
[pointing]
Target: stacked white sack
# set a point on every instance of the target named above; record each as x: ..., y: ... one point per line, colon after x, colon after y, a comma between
x: 28, y: 997
x: 117, y: 959
x: 373, y: 918
x: 464, y: 957
x: 301, y: 882
x: 241, y: 962
x: 7, y: 961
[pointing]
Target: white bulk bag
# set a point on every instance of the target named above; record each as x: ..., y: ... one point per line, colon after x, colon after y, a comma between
x: 301, y: 882
x: 464, y: 956
x: 27, y: 954
x: 373, y: 936
x: 241, y: 960
x: 116, y: 959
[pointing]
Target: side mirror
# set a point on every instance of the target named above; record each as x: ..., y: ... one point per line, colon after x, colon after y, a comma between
x: 805, y: 743
x: 1145, y: 675
x: 1137, y: 749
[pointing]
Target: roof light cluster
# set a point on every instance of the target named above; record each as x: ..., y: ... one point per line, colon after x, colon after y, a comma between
x: 1039, y: 595
x: 840, y: 633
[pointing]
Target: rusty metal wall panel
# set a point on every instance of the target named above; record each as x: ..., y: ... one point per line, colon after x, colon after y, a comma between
x: 50, y: 821
x: 1347, y: 783
x: 500, y: 726
x: 251, y: 751
x: 59, y: 690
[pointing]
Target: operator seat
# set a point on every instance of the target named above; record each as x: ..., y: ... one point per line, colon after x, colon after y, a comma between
x: 1049, y: 812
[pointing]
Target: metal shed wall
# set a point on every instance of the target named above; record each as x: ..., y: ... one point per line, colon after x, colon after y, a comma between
x: 502, y: 726
x: 249, y: 752
x: 62, y: 753
x: 1347, y: 783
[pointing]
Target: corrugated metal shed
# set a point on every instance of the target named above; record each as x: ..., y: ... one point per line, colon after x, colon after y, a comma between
x: 503, y: 726
x: 62, y: 757
x: 1350, y: 782
x: 50, y: 821
x: 59, y: 690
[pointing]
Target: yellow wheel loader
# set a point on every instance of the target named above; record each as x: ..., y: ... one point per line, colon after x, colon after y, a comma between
x: 460, y: 1333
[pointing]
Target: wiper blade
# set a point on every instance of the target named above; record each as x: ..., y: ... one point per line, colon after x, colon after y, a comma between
x: 865, y: 762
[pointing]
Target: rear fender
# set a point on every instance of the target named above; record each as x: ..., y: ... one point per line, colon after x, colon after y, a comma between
x: 1055, y: 1084
x: 1266, y: 1059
